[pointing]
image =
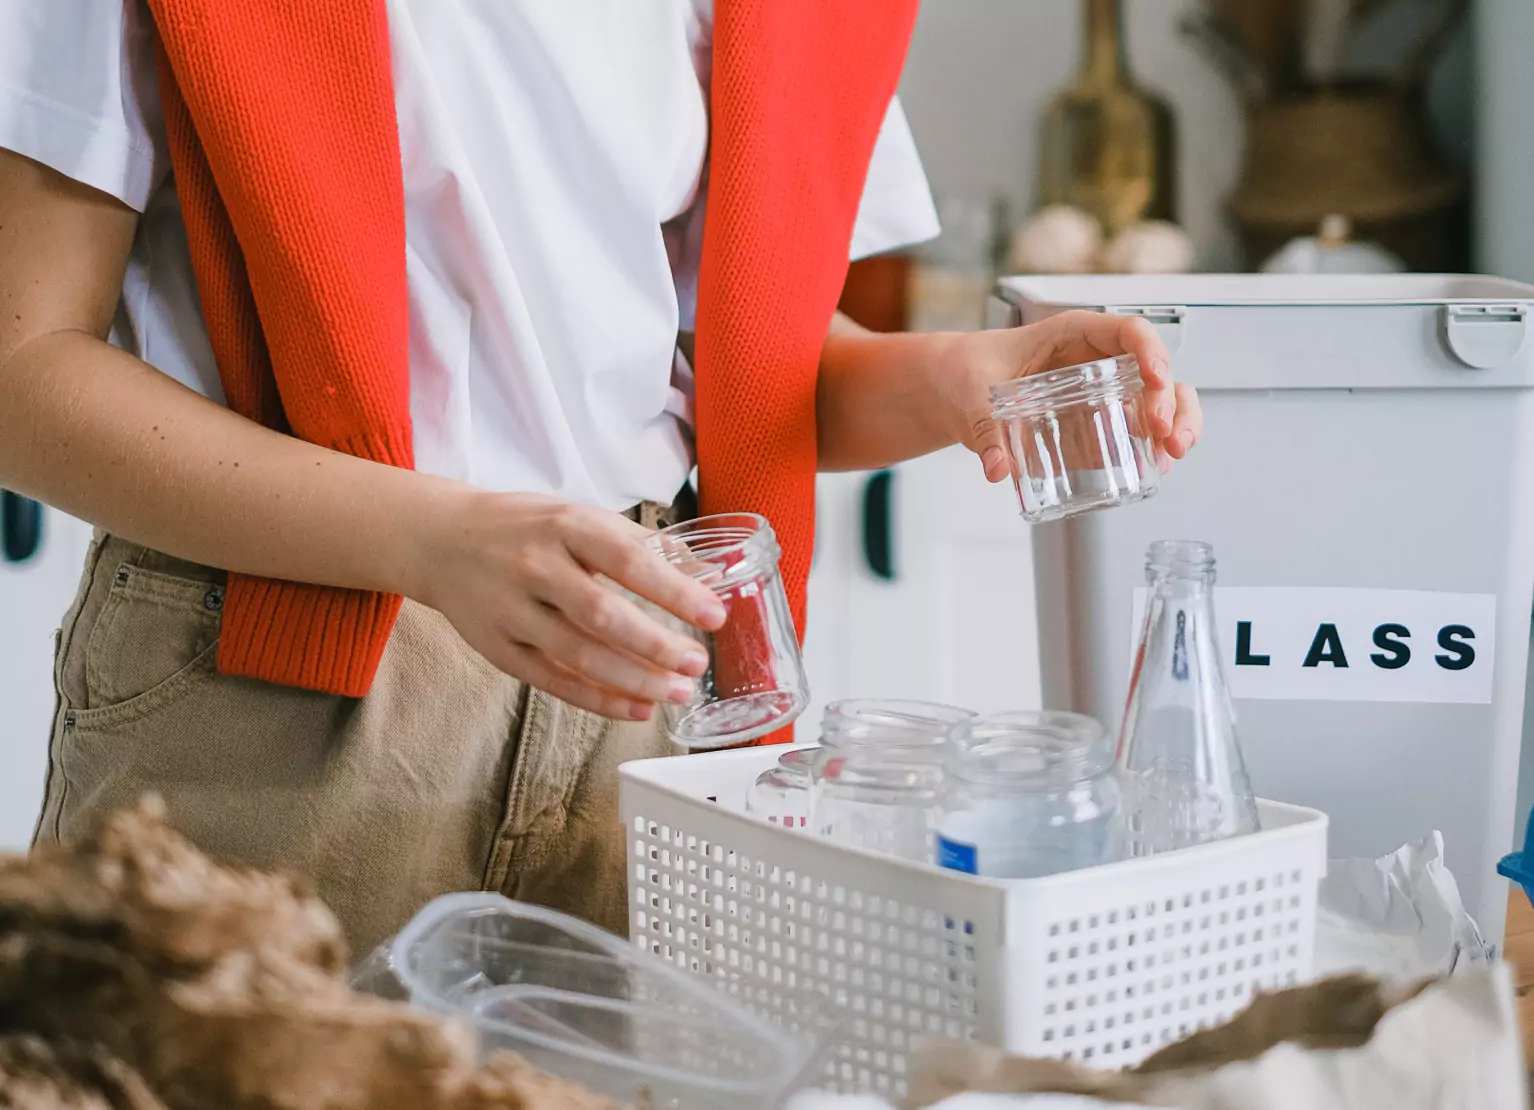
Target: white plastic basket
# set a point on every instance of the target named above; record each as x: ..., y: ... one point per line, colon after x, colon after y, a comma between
x: 1103, y: 965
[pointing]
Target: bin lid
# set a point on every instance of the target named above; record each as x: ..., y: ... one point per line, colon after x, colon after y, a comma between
x: 1108, y: 290
x: 1315, y: 331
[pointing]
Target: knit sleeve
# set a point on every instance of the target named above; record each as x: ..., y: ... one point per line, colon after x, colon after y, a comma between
x: 78, y: 93
x: 896, y: 209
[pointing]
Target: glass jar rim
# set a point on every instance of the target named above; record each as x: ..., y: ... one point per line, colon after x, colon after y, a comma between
x: 799, y: 760
x: 1046, y: 748
x: 889, y: 723
x: 718, y: 550
x: 1068, y: 385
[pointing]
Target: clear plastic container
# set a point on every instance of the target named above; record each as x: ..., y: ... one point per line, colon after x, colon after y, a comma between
x: 1030, y: 794
x: 878, y: 778
x: 1078, y: 438
x: 755, y: 683
x: 584, y: 1005
x: 781, y: 794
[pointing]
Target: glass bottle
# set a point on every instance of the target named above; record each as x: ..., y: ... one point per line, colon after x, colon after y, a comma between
x: 1184, y: 779
x: 1106, y: 145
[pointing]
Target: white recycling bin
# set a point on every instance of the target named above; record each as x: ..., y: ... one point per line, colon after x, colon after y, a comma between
x: 1367, y: 479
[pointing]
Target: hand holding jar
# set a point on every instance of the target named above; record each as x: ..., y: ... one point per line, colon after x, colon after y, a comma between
x: 981, y: 360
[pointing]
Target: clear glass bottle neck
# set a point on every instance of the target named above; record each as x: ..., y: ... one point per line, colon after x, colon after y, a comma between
x: 1180, y: 567
x: 1178, y: 746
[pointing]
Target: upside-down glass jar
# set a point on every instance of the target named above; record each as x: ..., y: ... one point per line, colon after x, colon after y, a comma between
x: 1029, y: 794
x: 878, y: 778
x: 1078, y: 438
x: 755, y: 683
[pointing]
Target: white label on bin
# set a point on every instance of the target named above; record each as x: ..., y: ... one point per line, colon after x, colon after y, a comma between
x: 1304, y: 643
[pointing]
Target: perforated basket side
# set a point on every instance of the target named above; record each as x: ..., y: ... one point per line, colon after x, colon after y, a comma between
x: 809, y: 931
x: 1110, y: 964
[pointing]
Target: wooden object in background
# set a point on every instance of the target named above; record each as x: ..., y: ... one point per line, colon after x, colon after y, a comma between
x: 1518, y: 950
x: 1319, y: 146
x: 875, y: 292
x: 1107, y: 146
x: 1358, y: 151
x: 1268, y: 32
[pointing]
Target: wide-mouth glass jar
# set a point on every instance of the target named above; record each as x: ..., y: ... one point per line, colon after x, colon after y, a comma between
x: 878, y: 777
x: 1077, y: 438
x: 781, y: 794
x: 1029, y: 794
x: 755, y: 683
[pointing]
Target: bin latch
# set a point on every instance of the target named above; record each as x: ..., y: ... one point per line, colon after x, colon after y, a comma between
x: 1166, y: 318
x: 1484, y: 336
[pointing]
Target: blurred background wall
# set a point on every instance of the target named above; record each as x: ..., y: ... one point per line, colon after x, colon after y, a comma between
x: 981, y: 72
x: 1505, y: 130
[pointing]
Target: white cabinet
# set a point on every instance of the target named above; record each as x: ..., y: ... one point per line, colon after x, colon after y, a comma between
x: 33, y: 598
x: 954, y: 622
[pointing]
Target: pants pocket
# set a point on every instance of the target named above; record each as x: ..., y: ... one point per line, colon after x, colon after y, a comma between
x: 382, y: 802
x: 154, y: 634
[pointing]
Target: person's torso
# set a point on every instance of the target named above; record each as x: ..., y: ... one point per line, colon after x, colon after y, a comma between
x: 552, y: 161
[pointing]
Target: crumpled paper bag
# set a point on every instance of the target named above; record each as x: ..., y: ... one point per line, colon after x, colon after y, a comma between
x: 969, y: 1100
x: 1347, y: 1043
x: 1399, y: 918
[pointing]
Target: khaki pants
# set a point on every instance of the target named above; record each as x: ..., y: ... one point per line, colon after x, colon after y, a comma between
x: 448, y: 775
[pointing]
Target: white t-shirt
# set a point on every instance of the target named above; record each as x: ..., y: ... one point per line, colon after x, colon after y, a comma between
x: 553, y: 154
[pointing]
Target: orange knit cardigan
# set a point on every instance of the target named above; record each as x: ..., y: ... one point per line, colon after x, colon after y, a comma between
x: 283, y: 140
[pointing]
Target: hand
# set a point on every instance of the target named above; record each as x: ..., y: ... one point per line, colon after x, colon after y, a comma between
x: 978, y: 360
x: 516, y: 574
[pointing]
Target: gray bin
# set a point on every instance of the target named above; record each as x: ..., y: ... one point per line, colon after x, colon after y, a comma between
x: 1363, y: 435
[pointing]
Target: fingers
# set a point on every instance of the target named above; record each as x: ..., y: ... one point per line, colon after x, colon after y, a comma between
x: 1189, y: 423
x: 536, y: 669
x: 988, y: 444
x: 1081, y: 336
x: 598, y: 663
x: 606, y: 617
x: 603, y: 545
x: 1138, y: 337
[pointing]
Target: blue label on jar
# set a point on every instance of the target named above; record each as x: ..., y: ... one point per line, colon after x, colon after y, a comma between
x: 956, y: 857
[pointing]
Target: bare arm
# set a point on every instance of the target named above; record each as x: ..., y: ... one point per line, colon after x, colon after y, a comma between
x: 877, y: 400
x: 102, y: 435
x: 884, y: 398
x: 108, y: 438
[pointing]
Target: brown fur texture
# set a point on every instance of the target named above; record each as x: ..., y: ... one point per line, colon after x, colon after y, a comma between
x: 136, y: 974
x: 36, y: 1075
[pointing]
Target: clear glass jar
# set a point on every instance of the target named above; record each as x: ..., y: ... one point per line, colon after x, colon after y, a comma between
x: 1185, y: 778
x: 878, y: 778
x: 755, y: 683
x: 781, y: 794
x: 1078, y: 438
x: 1030, y: 794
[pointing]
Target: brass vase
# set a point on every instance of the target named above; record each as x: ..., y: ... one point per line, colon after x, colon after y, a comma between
x: 1107, y: 146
